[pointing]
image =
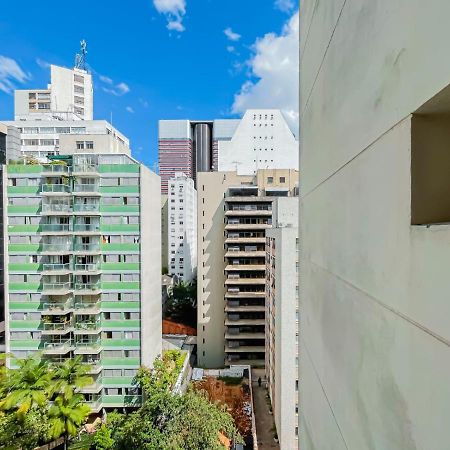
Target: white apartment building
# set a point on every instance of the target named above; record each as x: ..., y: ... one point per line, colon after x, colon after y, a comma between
x: 375, y: 225
x: 234, y: 212
x: 182, y: 227
x: 282, y: 314
x: 262, y: 139
x: 68, y: 96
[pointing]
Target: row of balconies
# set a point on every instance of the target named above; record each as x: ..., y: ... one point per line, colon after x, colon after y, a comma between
x: 77, y: 188
x: 63, y: 169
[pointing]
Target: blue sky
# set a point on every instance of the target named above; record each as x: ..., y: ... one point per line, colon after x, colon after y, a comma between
x: 158, y: 59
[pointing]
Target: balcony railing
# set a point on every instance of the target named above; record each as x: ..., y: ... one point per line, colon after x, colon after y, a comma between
x: 93, y: 247
x: 86, y: 286
x: 56, y: 168
x: 88, y: 187
x: 57, y: 306
x: 56, y: 207
x: 56, y: 286
x: 61, y: 345
x: 55, y: 227
x: 85, y: 168
x: 55, y: 267
x: 59, y: 326
x: 87, y: 267
x: 55, y: 247
x: 55, y: 188
x: 86, y: 227
x: 87, y: 306
x: 86, y: 207
x: 88, y: 345
x: 87, y: 325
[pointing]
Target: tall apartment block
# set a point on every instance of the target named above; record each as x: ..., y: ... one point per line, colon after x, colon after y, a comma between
x: 83, y: 267
x: 234, y: 212
x: 69, y: 96
x: 260, y: 140
x: 182, y: 227
x: 282, y: 315
x: 375, y: 225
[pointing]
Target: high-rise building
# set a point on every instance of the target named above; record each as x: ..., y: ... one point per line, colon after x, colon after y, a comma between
x: 182, y: 227
x: 234, y: 212
x: 282, y: 319
x: 83, y: 267
x: 69, y: 96
x: 260, y: 140
x: 375, y: 233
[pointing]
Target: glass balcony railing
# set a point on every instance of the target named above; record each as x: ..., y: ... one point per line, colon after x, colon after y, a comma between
x: 89, y: 326
x: 56, y: 247
x: 88, y: 187
x: 86, y: 227
x: 86, y: 286
x: 56, y: 168
x: 86, y: 207
x: 57, y: 306
x: 88, y: 345
x: 92, y: 247
x: 87, y: 306
x: 56, y: 286
x: 85, y: 168
x: 55, y: 227
x: 60, y: 345
x: 46, y: 326
x: 87, y: 267
x: 56, y: 207
x: 55, y: 266
x: 55, y: 188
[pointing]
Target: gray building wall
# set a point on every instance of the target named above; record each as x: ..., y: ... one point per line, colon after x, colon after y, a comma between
x: 375, y: 340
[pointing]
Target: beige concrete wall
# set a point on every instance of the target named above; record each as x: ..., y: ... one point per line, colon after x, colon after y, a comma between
x: 374, y: 312
x: 103, y: 143
x: 151, y: 301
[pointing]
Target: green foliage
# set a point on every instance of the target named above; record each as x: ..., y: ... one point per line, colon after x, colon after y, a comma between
x: 169, y: 421
x: 181, y: 306
x: 103, y: 439
x: 231, y: 381
x: 38, y: 401
x: 164, y: 270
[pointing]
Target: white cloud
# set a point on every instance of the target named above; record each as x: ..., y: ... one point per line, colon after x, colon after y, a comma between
x: 231, y: 35
x: 173, y: 10
x: 11, y: 73
x: 130, y: 109
x: 118, y: 89
x: 275, y: 66
x: 230, y: 49
x: 42, y: 63
x: 285, y: 5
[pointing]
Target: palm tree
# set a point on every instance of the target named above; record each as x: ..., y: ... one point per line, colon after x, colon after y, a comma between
x: 69, y: 376
x: 26, y: 386
x: 66, y: 415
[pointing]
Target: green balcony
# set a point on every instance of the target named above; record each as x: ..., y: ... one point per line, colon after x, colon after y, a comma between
x: 120, y: 247
x: 118, y: 168
x: 120, y: 362
x: 27, y: 344
x: 121, y: 343
x: 119, y: 267
x: 23, y: 229
x: 55, y: 189
x: 119, y: 228
x: 86, y: 227
x: 112, y: 401
x: 33, y: 190
x: 86, y: 207
x: 24, y: 267
x: 117, y: 381
x: 25, y: 287
x: 24, y: 306
x: 23, y: 248
x: 92, y: 247
x: 125, y: 306
x: 24, y: 209
x: 24, y: 168
x: 119, y: 209
x: 121, y: 324
x: 124, y: 189
x: 121, y: 285
x: 25, y: 325
x: 54, y: 227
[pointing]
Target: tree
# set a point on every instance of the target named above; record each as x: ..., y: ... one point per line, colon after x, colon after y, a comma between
x: 71, y: 375
x: 181, y: 306
x: 25, y: 387
x: 66, y: 415
x: 103, y: 439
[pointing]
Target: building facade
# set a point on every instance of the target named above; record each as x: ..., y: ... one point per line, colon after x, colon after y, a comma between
x: 182, y: 227
x: 282, y: 320
x: 234, y: 212
x: 83, y: 268
x: 68, y: 96
x: 374, y: 284
x: 260, y: 140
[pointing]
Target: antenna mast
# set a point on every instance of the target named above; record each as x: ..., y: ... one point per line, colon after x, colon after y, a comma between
x: 80, y: 58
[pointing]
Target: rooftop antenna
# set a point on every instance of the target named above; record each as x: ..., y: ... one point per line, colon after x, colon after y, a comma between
x: 80, y: 58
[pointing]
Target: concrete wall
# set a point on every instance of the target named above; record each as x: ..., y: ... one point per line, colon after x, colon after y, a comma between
x: 103, y: 143
x: 164, y: 231
x: 151, y: 302
x: 375, y: 357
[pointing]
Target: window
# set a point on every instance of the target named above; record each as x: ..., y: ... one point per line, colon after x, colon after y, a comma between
x: 282, y: 179
x: 78, y: 89
x: 89, y: 145
x: 43, y: 105
x: 78, y: 79
x: 270, y: 180
x: 80, y: 145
